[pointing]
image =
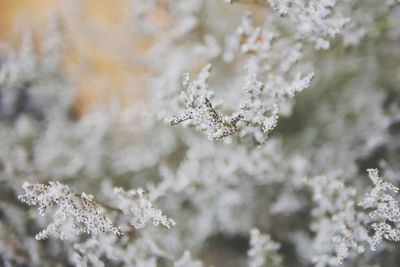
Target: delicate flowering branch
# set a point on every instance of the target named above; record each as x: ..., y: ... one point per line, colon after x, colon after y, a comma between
x: 79, y: 213
x: 269, y: 58
x: 254, y: 111
x: 314, y: 20
x: 346, y: 224
x: 384, y: 210
x: 73, y: 215
x: 263, y: 250
x: 338, y: 225
x: 141, y: 210
x: 203, y: 114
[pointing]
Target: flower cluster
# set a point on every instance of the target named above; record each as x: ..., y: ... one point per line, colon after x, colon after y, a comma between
x: 263, y: 251
x: 73, y: 215
x: 383, y: 210
x: 290, y: 153
x: 338, y: 218
x: 259, y: 109
x: 207, y: 118
x: 313, y: 20
x: 141, y: 210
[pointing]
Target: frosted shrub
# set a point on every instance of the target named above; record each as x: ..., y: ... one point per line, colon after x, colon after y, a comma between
x: 246, y: 145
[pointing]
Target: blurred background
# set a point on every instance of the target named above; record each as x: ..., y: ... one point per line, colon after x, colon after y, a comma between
x: 99, y: 41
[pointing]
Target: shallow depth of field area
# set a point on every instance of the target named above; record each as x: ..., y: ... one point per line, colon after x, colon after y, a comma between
x: 199, y: 133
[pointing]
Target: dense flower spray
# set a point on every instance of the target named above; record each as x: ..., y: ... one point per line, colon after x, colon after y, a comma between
x: 258, y: 128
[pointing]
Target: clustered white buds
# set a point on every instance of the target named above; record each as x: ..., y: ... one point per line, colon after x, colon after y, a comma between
x: 268, y: 86
x: 207, y: 118
x: 74, y: 214
x: 339, y: 219
x: 338, y: 227
x: 258, y: 110
x: 141, y: 210
x: 215, y: 190
x: 313, y: 20
x: 263, y: 250
x: 383, y: 210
